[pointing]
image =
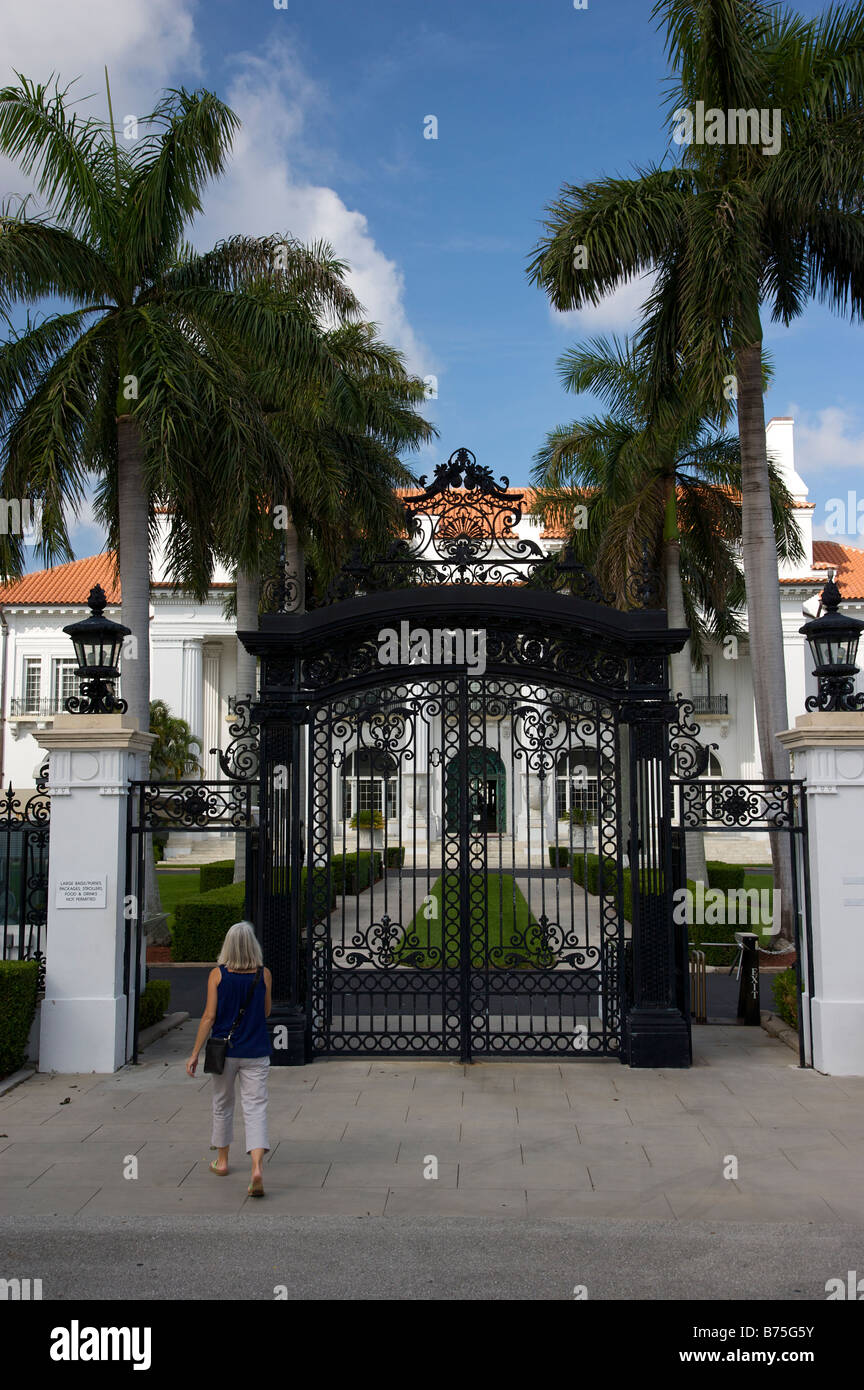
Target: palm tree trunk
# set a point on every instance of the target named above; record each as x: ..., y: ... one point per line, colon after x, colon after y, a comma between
x: 133, y: 562
x: 295, y: 565
x: 246, y: 684
x: 759, y: 551
x: 134, y: 567
x: 681, y: 671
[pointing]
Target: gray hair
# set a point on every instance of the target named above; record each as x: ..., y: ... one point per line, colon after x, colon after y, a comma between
x: 241, y: 949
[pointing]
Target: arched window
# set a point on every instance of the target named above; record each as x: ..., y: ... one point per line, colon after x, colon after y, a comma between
x: 576, y: 786
x: 369, y: 784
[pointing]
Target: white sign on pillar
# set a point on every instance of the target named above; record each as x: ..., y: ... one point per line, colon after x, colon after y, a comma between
x: 828, y: 751
x: 84, y: 1013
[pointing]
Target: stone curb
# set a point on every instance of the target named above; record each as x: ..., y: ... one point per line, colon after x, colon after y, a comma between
x: 158, y: 1030
x: 778, y: 1028
x: 22, y: 1074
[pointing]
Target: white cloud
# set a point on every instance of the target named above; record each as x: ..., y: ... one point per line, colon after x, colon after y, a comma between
x: 618, y: 312
x: 267, y: 187
x: 266, y: 190
x: 140, y: 44
x: 827, y: 440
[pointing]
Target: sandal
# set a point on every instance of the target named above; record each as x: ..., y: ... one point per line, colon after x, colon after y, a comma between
x: 256, y: 1189
x: 220, y: 1173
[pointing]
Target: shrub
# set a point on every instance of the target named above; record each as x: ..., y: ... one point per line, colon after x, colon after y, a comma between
x: 18, y: 983
x: 725, y: 876
x: 579, y: 815
x: 394, y: 856
x: 153, y: 1003
x: 363, y: 819
x: 352, y: 873
x: 216, y: 875
x: 582, y: 864
x: 559, y: 856
x: 784, y: 987
x: 200, y: 923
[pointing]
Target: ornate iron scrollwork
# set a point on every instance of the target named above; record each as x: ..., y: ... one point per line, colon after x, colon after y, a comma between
x: 690, y: 757
x: 280, y: 591
x: 26, y: 825
x: 738, y: 805
x: 240, y: 760
x: 462, y: 529
x: 644, y: 588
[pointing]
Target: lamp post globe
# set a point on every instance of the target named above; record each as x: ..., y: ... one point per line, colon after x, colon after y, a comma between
x: 833, y: 640
x: 97, y: 641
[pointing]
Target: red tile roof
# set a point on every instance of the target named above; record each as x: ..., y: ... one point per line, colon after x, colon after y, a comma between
x: 848, y: 562
x: 65, y: 584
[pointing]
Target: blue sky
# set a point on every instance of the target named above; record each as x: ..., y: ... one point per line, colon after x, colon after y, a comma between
x: 528, y: 95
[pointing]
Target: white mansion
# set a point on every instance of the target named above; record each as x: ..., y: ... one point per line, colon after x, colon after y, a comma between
x: 193, y: 652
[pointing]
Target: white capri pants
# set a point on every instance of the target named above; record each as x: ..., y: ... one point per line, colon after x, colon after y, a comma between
x: 252, y: 1075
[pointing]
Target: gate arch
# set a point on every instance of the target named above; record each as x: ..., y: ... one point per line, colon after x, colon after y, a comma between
x: 442, y: 937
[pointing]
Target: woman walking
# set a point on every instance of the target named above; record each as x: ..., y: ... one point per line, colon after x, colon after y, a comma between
x: 239, y: 988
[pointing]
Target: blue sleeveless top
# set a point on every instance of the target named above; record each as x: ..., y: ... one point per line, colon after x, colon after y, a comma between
x: 251, y: 1038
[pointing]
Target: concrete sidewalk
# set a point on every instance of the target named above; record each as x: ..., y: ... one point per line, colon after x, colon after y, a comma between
x: 544, y: 1140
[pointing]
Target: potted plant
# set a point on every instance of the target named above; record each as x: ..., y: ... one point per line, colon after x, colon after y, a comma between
x: 581, y: 816
x: 364, y: 821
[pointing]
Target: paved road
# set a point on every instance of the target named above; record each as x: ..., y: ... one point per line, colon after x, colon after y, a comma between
x: 336, y: 1257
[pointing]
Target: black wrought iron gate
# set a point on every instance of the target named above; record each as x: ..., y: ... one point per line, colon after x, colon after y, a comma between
x: 443, y: 915
x: 465, y: 845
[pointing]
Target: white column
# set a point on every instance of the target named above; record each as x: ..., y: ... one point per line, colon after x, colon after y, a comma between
x: 192, y: 701
x: 828, y: 750
x: 212, y: 705
x: 83, y: 1017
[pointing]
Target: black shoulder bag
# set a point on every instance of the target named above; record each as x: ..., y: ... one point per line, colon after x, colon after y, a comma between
x: 216, y: 1049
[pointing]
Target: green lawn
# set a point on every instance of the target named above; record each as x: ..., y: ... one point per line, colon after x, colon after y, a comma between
x: 513, y: 938
x: 175, y: 887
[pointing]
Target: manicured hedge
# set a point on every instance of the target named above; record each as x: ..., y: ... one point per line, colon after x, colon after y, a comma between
x: 18, y: 981
x: 153, y: 1003
x: 351, y: 873
x: 586, y: 871
x: 722, y: 875
x: 200, y: 923
x: 217, y: 875
x: 559, y: 856
x: 394, y: 856
x: 784, y: 987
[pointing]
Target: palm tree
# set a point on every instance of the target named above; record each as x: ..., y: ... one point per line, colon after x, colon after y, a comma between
x: 657, y: 481
x: 173, y: 755
x: 723, y: 231
x: 142, y: 378
x: 342, y: 432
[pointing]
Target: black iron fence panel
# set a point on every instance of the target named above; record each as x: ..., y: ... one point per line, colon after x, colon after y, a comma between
x: 773, y: 809
x: 193, y: 808
x: 25, y: 825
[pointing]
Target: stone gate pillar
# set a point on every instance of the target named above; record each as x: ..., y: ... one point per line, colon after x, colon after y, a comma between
x: 84, y: 1023
x: 828, y: 751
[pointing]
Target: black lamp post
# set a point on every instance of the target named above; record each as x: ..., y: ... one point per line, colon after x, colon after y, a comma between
x: 833, y: 640
x: 97, y: 642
